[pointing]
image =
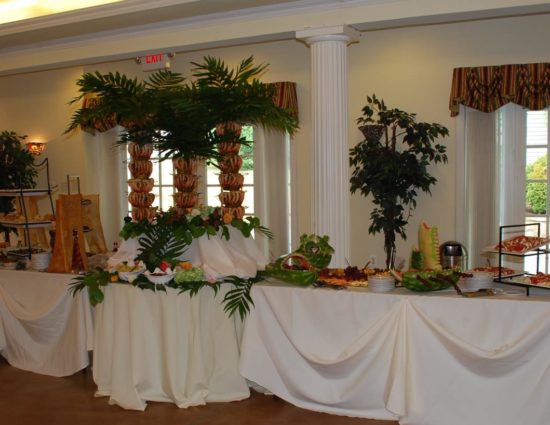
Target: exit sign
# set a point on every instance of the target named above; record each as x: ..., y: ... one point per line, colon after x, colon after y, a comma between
x: 155, y: 61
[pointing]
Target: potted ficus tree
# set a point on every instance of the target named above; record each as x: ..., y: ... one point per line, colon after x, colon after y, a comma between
x: 16, y: 170
x: 391, y: 164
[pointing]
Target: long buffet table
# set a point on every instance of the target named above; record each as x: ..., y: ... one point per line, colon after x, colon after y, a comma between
x: 434, y: 359
x: 437, y: 359
x: 43, y: 328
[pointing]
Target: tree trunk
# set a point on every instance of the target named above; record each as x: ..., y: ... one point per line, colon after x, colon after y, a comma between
x: 389, y: 248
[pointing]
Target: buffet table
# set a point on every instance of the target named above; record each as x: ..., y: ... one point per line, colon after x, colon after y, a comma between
x: 43, y: 328
x: 436, y: 359
x: 166, y: 347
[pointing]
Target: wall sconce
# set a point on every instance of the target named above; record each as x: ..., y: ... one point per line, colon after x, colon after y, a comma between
x: 36, y: 148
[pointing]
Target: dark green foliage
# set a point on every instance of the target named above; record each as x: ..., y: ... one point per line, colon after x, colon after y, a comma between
x: 186, y: 228
x: 159, y: 243
x: 178, y: 118
x: 133, y: 104
x: 94, y: 280
x: 193, y: 287
x: 16, y: 168
x: 237, y: 95
x: 391, y: 164
x: 239, y: 299
x: 536, y: 192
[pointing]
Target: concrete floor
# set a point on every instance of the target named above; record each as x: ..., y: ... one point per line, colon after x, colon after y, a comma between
x: 27, y: 399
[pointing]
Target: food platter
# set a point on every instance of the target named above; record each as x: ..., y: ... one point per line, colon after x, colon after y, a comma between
x: 498, y: 271
x: 519, y: 245
x: 540, y: 280
x: 349, y: 276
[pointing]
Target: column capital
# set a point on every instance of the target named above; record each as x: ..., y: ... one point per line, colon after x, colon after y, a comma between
x: 333, y: 33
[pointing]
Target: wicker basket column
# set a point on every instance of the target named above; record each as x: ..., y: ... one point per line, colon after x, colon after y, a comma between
x: 140, y: 197
x: 229, y: 163
x: 186, y: 182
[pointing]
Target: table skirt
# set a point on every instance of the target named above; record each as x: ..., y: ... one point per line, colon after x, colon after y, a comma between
x: 166, y: 347
x: 421, y: 360
x: 43, y: 328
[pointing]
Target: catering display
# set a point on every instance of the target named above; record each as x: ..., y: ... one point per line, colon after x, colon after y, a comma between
x: 25, y: 215
x: 201, y: 249
x: 521, y: 245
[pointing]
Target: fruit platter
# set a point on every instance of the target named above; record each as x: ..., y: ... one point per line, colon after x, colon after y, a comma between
x: 302, y: 266
x: 519, y: 245
x: 430, y: 280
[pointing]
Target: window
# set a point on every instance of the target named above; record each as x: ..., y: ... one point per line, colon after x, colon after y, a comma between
x: 536, y: 179
x: 163, y: 189
x: 536, y: 176
x: 505, y: 179
x: 163, y: 172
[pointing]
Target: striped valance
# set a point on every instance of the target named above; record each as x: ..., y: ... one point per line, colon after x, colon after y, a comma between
x: 285, y: 97
x: 487, y: 88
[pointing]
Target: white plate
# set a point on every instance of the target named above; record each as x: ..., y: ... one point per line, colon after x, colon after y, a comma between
x: 512, y: 292
x: 130, y: 276
x: 160, y: 279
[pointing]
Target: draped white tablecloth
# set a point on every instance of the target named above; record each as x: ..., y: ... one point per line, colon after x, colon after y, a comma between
x: 421, y: 360
x: 166, y: 347
x: 43, y: 328
x: 218, y: 257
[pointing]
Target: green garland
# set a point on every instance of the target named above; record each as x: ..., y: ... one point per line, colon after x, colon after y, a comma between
x: 237, y: 299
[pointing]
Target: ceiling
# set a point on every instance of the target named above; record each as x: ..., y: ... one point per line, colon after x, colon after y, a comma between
x: 131, y: 28
x: 17, y: 10
x: 122, y: 15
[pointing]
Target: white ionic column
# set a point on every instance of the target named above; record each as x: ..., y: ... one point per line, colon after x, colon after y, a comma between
x: 331, y: 193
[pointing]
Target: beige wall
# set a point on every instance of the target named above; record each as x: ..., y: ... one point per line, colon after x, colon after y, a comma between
x: 36, y: 105
x: 410, y: 68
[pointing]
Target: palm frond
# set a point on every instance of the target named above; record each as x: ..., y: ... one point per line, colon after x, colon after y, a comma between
x: 238, y: 299
x: 158, y: 243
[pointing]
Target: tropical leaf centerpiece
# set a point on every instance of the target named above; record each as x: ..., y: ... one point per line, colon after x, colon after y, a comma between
x: 163, y: 240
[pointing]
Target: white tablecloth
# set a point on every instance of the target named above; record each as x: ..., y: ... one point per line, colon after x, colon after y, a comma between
x: 166, y: 347
x: 43, y: 329
x: 422, y: 360
x: 238, y: 256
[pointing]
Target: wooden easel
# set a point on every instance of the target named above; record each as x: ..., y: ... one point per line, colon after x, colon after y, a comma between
x: 92, y: 221
x: 68, y: 231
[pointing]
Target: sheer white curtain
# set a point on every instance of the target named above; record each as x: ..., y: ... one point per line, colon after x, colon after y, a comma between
x: 272, y: 189
x: 106, y: 176
x: 490, y: 175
